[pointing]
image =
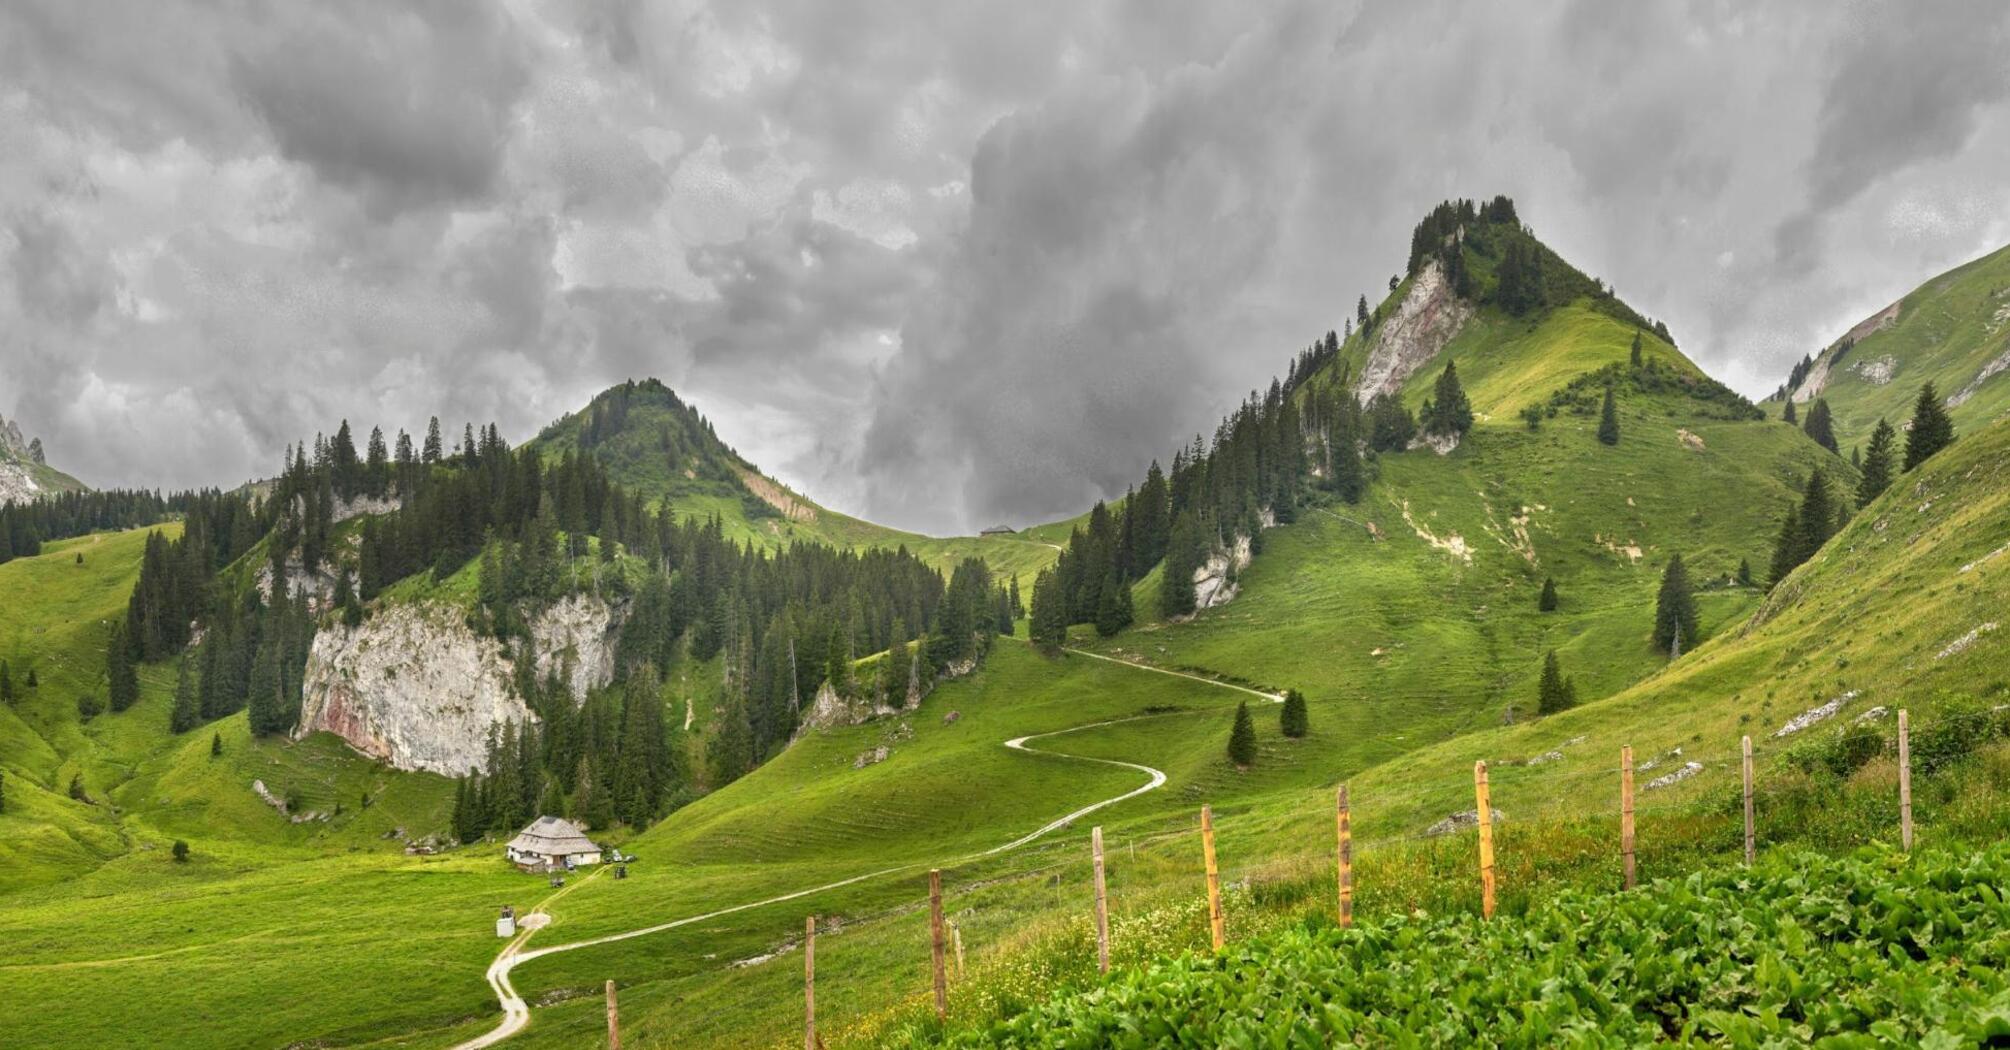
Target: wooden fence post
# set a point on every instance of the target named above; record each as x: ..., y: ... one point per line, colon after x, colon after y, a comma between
x: 810, y: 983
x: 1214, y: 923
x: 1905, y: 779
x: 1102, y: 902
x: 613, y: 1020
x: 935, y: 937
x: 1344, y: 825
x: 1626, y: 812
x: 1486, y: 815
x: 1751, y: 839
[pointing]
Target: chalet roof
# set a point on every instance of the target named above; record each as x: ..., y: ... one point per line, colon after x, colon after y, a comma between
x: 552, y: 837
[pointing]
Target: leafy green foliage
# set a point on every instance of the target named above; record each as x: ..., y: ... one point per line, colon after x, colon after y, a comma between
x: 1876, y: 947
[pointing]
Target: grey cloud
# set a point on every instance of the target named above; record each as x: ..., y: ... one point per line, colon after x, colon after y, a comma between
x: 1112, y: 219
x: 409, y: 105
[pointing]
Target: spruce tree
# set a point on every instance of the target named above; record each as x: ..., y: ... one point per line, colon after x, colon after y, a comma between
x: 1675, y: 607
x: 1293, y: 721
x: 186, y: 714
x: 1113, y: 609
x: 1635, y: 358
x: 1183, y: 552
x: 1608, y: 418
x: 33, y: 682
x: 1785, y: 547
x: 1744, y: 572
x: 1821, y: 426
x: 1242, y: 738
x: 1049, y: 626
x: 123, y: 677
x: 1553, y: 694
x: 1547, y: 603
x: 1787, y: 414
x: 1448, y: 413
x: 1932, y: 428
x: 180, y: 852
x: 1877, y: 466
x: 216, y: 745
x: 1818, y: 517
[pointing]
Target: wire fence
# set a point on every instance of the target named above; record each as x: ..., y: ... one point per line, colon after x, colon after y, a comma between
x: 1084, y: 897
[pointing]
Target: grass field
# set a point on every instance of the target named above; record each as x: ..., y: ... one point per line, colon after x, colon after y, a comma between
x: 1949, y: 331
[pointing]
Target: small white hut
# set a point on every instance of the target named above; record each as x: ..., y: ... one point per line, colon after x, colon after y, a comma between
x: 551, y: 844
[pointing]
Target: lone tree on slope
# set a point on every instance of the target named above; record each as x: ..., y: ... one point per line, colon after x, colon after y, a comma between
x: 1821, y: 426
x: 1877, y: 464
x: 1608, y: 419
x: 1293, y: 720
x: 1932, y: 429
x: 1242, y: 739
x: 1675, y: 609
x: 1547, y: 603
x: 1635, y: 357
x: 1554, y: 692
x: 1448, y: 413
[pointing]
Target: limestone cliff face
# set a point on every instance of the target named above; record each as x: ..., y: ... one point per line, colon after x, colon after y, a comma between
x: 1427, y: 318
x: 1214, y: 582
x: 415, y: 687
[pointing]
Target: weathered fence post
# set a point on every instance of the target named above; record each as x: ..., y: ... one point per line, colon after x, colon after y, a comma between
x: 1486, y: 815
x: 810, y: 983
x: 1905, y: 780
x: 1344, y: 825
x: 935, y: 938
x: 613, y: 1020
x: 1214, y: 924
x: 1102, y: 902
x: 1751, y: 839
x: 1626, y: 812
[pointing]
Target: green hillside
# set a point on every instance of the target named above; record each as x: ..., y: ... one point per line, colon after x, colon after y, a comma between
x: 1952, y: 331
x: 653, y: 442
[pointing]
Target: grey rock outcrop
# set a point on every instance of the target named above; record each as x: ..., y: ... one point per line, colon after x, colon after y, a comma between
x: 416, y: 688
x: 1427, y: 318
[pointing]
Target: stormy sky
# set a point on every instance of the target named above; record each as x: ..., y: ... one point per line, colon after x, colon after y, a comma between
x: 938, y: 264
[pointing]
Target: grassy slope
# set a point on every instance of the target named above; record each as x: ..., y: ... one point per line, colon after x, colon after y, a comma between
x: 702, y: 487
x: 1947, y: 331
x: 1404, y: 642
x: 250, y: 931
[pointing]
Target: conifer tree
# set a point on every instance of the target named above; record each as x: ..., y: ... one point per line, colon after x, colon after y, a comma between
x: 1553, y: 692
x: 1608, y: 418
x: 124, y: 686
x: 1049, y: 627
x: 1788, y: 414
x: 1675, y: 607
x: 180, y: 852
x: 1242, y: 738
x: 1635, y: 357
x: 1293, y: 721
x: 1744, y: 572
x: 186, y: 714
x: 434, y: 449
x: 1877, y: 466
x: 33, y: 682
x: 1113, y: 611
x: 1821, y: 426
x: 1183, y: 552
x: 6, y: 683
x: 216, y: 745
x: 1785, y: 547
x: 1547, y: 603
x: 1932, y: 428
x: 1448, y: 413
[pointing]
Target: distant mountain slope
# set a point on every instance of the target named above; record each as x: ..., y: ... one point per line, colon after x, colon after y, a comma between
x: 1953, y: 331
x: 24, y: 471
x: 1412, y: 615
x: 653, y: 442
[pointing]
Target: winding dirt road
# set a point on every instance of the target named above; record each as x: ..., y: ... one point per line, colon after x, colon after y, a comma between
x: 516, y: 1012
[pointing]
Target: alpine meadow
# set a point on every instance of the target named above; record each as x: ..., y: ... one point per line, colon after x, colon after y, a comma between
x: 1369, y: 640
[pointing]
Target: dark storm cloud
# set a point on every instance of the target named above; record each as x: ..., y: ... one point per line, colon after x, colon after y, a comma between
x: 939, y: 263
x: 408, y: 104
